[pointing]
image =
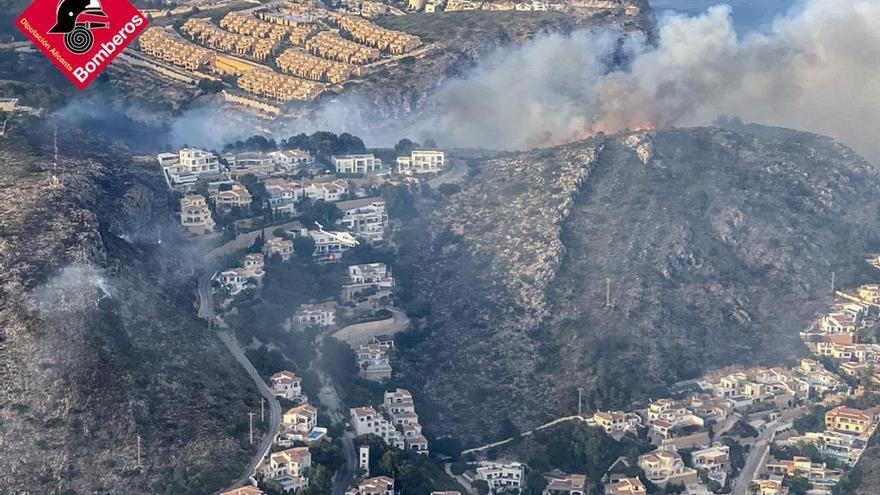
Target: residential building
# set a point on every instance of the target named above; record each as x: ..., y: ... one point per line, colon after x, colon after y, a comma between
x: 870, y: 292
x: 8, y: 104
x: 843, y: 447
x: 329, y: 245
x: 195, y: 215
x: 663, y: 466
x: 817, y: 473
x: 249, y: 163
x: 713, y: 459
x: 188, y: 166
x: 375, y: 277
x: 282, y: 195
x: 626, y: 486
x: 365, y: 218
x: 321, y: 314
x: 616, y: 421
x: 421, y: 162
x: 400, y: 407
x: 254, y: 265
x: 278, y: 246
x: 327, y: 191
x: 245, y: 490
x: 849, y: 420
x: 771, y: 486
x: 572, y: 484
x: 234, y: 280
x: 291, y: 160
x: 229, y: 195
x: 288, y: 467
x: 838, y: 322
x: 355, y: 164
x: 366, y: 421
x: 286, y: 384
x: 501, y: 475
x: 373, y: 362
x: 301, y: 419
x: 380, y: 485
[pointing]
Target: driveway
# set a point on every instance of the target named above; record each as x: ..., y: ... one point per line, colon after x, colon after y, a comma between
x: 363, y: 333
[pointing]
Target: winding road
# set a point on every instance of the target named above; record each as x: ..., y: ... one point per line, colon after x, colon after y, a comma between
x: 274, y: 408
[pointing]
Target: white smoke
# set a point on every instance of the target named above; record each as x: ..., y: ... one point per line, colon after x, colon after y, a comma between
x: 77, y: 287
x: 817, y: 70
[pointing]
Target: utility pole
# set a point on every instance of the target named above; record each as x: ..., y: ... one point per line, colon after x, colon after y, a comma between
x: 139, y: 450
x: 607, y: 292
x: 251, y: 423
x: 832, y: 282
x: 580, y: 397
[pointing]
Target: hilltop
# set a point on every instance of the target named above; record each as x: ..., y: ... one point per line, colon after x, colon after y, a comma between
x: 719, y: 246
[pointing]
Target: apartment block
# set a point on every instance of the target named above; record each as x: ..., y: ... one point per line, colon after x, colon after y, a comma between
x: 166, y: 45
x: 269, y: 84
x: 329, y: 45
x: 301, y: 64
x: 371, y: 34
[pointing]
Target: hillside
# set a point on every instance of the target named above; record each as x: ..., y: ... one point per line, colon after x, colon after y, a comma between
x: 719, y: 245
x: 99, y: 344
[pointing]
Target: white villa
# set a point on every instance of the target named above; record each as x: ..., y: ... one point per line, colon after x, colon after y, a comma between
x: 421, y: 162
x: 234, y: 280
x: 501, y: 475
x: 229, y: 195
x: 290, y: 160
x: 286, y: 384
x: 380, y: 485
x: 249, y: 163
x: 188, y: 166
x: 279, y: 246
x: 373, y: 362
x: 288, y: 467
x: 254, y: 265
x: 300, y: 419
x: 195, y: 215
x: 365, y: 218
x: 356, y: 164
x: 321, y: 314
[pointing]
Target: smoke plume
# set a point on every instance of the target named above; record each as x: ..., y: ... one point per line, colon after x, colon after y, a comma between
x: 816, y: 70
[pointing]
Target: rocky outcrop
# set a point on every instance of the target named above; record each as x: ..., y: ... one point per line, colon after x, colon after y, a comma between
x: 717, y: 246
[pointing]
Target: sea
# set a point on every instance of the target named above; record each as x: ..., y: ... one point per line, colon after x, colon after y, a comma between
x: 748, y: 15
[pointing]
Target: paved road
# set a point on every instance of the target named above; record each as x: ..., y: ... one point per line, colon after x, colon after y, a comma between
x: 460, y: 478
x: 345, y: 475
x: 246, y: 240
x: 206, y: 296
x: 330, y: 399
x: 363, y: 333
x: 758, y: 452
x: 274, y: 408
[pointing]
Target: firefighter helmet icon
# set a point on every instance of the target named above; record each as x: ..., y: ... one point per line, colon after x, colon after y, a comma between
x: 73, y: 20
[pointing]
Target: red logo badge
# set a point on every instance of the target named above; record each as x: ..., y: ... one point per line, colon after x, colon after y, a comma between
x: 81, y: 37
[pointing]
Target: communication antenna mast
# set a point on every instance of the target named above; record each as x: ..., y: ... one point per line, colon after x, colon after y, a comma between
x: 54, y: 181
